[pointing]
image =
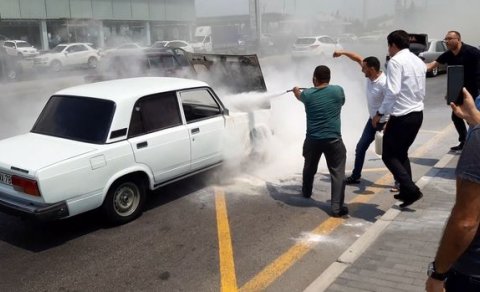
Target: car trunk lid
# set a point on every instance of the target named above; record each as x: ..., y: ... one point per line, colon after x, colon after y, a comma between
x: 31, y: 152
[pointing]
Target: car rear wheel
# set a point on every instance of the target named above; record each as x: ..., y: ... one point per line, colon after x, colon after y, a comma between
x: 92, y: 62
x: 56, y: 65
x: 124, y: 201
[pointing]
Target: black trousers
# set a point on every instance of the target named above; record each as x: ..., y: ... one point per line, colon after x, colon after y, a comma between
x: 336, y: 156
x: 457, y: 282
x: 399, y: 135
x: 461, y: 128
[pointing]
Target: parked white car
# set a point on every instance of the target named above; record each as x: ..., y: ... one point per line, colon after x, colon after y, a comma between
x: 314, y: 46
x: 20, y: 49
x: 174, y: 44
x: 126, y: 47
x: 64, y: 55
x: 106, y: 144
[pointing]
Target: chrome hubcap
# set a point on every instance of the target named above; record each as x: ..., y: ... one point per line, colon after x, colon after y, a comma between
x: 126, y: 199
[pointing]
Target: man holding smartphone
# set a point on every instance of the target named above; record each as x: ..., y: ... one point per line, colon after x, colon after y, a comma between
x: 457, y: 262
x: 460, y: 53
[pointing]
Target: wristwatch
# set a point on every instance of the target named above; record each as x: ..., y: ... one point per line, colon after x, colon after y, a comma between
x: 432, y: 272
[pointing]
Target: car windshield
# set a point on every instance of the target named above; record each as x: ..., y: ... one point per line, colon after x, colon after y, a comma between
x: 305, y: 41
x: 23, y: 45
x: 58, y: 49
x: 76, y: 118
x: 159, y: 44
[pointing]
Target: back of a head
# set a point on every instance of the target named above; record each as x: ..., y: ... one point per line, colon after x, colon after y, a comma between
x: 372, y: 62
x: 399, y: 38
x: 322, y: 74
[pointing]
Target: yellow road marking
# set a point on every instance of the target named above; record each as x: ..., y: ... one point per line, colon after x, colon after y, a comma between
x: 225, y: 251
x: 274, y: 270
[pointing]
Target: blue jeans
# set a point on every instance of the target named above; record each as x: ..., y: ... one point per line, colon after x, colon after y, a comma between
x: 366, y: 139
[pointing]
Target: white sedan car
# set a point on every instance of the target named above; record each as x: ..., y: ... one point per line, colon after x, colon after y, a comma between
x: 104, y: 145
x: 314, y: 46
x: 21, y: 49
x: 64, y: 55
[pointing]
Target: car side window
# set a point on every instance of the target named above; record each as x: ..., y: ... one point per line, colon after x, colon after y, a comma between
x: 71, y: 49
x: 9, y: 44
x: 441, y: 47
x: 153, y: 113
x: 199, y: 104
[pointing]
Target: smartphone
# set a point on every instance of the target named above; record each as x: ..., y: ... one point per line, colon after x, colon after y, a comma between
x: 455, y: 84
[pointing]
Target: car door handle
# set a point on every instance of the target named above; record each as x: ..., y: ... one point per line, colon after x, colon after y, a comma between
x: 196, y: 131
x: 142, y: 145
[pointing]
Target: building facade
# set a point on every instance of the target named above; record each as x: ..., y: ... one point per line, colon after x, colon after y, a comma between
x: 104, y: 23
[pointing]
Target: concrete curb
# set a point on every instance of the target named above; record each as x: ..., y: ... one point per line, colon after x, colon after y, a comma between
x: 363, y: 242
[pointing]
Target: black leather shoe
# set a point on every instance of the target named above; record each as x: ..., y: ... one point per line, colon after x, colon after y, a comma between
x: 343, y: 212
x: 459, y: 147
x: 351, y: 180
x: 410, y: 200
x: 306, y: 196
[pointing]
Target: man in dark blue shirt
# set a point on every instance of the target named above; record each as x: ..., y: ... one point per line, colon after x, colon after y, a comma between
x: 460, y: 53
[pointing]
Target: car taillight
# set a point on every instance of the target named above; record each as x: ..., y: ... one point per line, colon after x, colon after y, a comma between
x: 25, y: 185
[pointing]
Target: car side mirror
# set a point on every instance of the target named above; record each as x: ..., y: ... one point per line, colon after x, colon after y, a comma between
x: 226, y: 112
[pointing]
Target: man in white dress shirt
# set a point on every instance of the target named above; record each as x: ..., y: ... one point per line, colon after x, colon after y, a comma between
x: 405, y: 92
x: 375, y: 92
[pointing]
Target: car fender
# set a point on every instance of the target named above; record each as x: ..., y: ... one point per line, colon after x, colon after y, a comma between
x: 126, y: 171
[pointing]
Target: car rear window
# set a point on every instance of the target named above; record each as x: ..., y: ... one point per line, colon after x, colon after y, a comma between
x: 76, y: 118
x: 305, y: 41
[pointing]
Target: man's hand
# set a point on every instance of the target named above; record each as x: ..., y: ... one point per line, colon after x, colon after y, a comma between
x: 337, y: 54
x: 432, y: 285
x: 296, y: 91
x: 375, y: 120
x: 467, y: 111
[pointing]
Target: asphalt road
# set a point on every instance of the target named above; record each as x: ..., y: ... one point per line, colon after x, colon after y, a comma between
x: 237, y: 228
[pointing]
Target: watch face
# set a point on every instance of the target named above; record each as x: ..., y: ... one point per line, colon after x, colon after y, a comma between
x: 430, y: 269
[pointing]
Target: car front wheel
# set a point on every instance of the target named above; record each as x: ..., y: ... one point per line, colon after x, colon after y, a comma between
x: 124, y: 201
x: 92, y: 62
x: 56, y: 66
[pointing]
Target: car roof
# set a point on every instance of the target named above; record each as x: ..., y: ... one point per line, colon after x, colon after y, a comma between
x: 16, y: 41
x: 69, y: 44
x: 314, y: 36
x: 130, y: 89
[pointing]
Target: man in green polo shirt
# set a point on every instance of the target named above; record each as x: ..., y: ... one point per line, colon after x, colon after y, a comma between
x: 323, y: 104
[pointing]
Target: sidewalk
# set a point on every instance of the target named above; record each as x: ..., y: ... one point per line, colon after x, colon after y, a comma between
x: 394, y: 253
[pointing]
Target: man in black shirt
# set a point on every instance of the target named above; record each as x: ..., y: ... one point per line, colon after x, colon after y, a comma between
x: 460, y: 53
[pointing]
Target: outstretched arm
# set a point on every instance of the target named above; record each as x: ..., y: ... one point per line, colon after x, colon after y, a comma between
x: 352, y: 55
x: 432, y: 65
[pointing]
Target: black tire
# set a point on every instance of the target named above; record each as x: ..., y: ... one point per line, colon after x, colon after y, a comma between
x: 56, y: 65
x: 124, y: 201
x: 435, y: 71
x: 11, y: 75
x: 92, y: 62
